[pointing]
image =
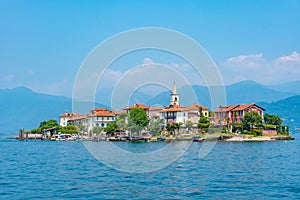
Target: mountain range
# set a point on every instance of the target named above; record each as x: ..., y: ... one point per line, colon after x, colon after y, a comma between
x: 22, y: 107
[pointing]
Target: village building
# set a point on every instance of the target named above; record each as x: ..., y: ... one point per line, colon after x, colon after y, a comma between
x: 154, y: 112
x: 174, y: 113
x: 234, y: 113
x: 136, y: 105
x: 78, y: 119
x: 194, y: 112
x: 100, y: 117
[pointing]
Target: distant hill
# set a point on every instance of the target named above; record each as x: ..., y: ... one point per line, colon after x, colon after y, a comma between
x: 238, y: 93
x: 293, y: 87
x: 21, y: 107
x: 288, y: 109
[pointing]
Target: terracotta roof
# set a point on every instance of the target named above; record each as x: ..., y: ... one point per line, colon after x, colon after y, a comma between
x: 102, y: 114
x: 70, y: 115
x: 245, y: 106
x: 235, y: 107
x: 100, y: 109
x: 156, y: 108
x: 82, y: 117
x: 65, y: 115
x: 225, y: 108
x: 118, y: 112
x: 196, y: 106
x: 138, y: 106
x: 175, y: 108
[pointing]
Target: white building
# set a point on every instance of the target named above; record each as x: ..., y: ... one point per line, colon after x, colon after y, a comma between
x: 64, y: 118
x: 100, y: 117
x: 174, y: 113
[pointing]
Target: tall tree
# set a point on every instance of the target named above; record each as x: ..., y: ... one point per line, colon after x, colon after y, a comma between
x: 111, y: 128
x: 272, y: 119
x: 251, y: 119
x: 138, y: 119
x: 97, y: 129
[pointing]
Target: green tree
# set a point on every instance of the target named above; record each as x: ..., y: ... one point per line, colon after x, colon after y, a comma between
x: 121, y: 122
x: 251, y: 120
x: 137, y: 119
x: 171, y: 128
x: 111, y: 128
x: 203, y: 123
x: 97, y: 130
x: 272, y: 119
x: 155, y: 127
x: 70, y: 128
x: 48, y: 124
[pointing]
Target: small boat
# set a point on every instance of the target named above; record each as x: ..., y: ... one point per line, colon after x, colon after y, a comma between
x: 161, y: 138
x: 197, y: 138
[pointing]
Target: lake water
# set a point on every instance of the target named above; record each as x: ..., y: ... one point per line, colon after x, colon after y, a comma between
x: 65, y: 170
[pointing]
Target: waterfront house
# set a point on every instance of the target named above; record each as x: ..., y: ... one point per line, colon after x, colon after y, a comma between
x: 63, y: 119
x: 100, y: 117
x: 78, y: 119
x: 234, y: 113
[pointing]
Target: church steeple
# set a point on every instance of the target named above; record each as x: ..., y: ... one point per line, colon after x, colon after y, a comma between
x: 174, y: 97
x: 174, y: 91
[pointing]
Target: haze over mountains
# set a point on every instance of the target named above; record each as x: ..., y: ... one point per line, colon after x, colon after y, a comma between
x: 21, y: 107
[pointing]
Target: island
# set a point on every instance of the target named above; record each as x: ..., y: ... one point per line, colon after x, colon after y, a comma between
x: 174, y: 122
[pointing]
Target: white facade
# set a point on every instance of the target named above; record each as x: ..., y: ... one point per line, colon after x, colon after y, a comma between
x: 100, y: 117
x: 63, y: 119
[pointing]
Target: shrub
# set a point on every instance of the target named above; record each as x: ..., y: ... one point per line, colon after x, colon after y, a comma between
x: 256, y: 132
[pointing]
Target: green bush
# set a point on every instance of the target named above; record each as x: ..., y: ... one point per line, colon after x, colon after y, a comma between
x: 256, y: 132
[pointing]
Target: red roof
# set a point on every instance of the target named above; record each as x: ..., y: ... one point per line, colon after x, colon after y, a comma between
x: 236, y: 108
x: 118, y: 112
x: 225, y: 108
x: 101, y: 112
x: 175, y: 108
x: 196, y: 106
x: 245, y: 106
x: 138, y: 106
x: 155, y: 108
x: 65, y: 115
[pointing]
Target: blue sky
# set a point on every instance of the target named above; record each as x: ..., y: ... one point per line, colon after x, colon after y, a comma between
x: 43, y: 43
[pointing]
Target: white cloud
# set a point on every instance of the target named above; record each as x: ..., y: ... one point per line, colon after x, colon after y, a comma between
x: 251, y: 60
x: 245, y: 58
x: 293, y: 58
x: 256, y: 67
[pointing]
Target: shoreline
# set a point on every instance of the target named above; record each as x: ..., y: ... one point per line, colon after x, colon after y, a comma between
x: 221, y: 138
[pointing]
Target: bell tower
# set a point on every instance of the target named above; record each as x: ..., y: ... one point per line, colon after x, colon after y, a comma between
x: 174, y: 97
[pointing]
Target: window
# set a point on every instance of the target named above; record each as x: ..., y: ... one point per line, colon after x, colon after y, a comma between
x: 102, y: 124
x: 107, y: 118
